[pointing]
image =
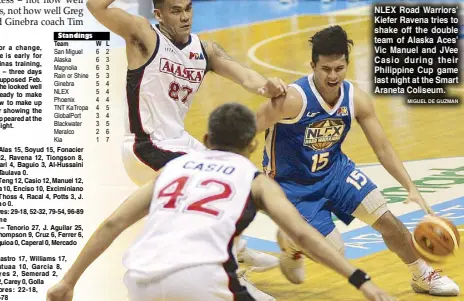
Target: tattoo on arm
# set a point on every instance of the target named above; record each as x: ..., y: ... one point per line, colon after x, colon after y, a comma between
x: 219, y: 51
x: 205, y: 45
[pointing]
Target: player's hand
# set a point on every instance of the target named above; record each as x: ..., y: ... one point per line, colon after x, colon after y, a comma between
x: 416, y: 197
x: 274, y: 87
x: 373, y: 293
x: 62, y: 291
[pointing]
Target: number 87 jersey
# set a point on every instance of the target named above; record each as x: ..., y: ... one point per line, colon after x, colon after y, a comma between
x: 308, y: 148
x: 160, y: 92
x: 201, y: 202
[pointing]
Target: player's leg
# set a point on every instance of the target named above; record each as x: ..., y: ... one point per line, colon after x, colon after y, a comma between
x: 255, y: 293
x: 398, y: 240
x: 373, y: 211
x: 143, y: 159
x: 357, y: 195
x: 260, y: 261
x: 291, y: 259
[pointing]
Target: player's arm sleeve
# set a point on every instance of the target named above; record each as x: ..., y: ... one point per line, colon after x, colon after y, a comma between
x: 370, y: 124
x: 270, y: 198
x: 133, y: 209
x: 226, y: 66
x: 288, y: 108
x: 115, y: 19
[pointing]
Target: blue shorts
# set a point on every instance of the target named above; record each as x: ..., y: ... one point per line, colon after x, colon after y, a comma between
x: 340, y: 193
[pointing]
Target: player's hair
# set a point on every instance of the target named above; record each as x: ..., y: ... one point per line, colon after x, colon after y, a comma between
x: 231, y: 127
x: 158, y: 4
x: 332, y: 40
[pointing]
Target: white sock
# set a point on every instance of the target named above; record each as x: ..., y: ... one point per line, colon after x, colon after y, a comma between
x: 419, y: 267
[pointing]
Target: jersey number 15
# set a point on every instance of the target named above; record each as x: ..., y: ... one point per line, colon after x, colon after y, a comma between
x: 320, y: 161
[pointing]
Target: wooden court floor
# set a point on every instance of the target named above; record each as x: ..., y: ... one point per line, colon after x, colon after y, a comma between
x: 416, y: 132
x: 386, y: 270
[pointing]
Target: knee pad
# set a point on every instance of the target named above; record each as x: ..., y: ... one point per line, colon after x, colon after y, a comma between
x: 371, y: 208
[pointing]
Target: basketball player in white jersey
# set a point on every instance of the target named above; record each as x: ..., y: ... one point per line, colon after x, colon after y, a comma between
x: 321, y: 179
x: 166, y: 65
x: 216, y: 193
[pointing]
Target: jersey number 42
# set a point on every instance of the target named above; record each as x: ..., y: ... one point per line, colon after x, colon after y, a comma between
x: 176, y: 191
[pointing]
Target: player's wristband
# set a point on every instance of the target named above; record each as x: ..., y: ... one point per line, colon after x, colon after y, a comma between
x: 358, y: 278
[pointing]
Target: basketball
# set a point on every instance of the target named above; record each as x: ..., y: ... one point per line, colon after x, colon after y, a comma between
x: 435, y: 238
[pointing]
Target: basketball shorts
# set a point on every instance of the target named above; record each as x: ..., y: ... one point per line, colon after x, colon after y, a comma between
x: 143, y: 158
x: 198, y: 283
x: 340, y: 193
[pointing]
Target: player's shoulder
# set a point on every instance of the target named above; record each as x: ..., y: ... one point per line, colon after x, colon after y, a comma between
x: 209, y: 47
x: 357, y: 92
x: 143, y: 28
x: 297, y: 94
x: 300, y: 87
x: 144, y: 23
x: 141, y: 21
x: 360, y: 94
x: 363, y: 102
x: 302, y: 81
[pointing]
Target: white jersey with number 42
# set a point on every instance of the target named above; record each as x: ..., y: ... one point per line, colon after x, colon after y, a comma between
x: 160, y: 92
x: 201, y: 202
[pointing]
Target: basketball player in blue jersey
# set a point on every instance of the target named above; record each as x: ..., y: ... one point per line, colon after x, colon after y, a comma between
x: 305, y: 130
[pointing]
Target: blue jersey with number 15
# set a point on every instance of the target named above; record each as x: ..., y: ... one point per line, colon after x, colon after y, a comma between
x: 308, y: 147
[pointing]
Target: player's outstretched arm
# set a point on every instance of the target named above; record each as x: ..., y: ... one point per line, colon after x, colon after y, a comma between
x: 288, y: 106
x: 117, y: 20
x: 224, y: 65
x: 269, y: 197
x: 132, y: 210
x: 370, y: 124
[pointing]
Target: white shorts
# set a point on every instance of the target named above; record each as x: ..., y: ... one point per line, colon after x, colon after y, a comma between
x: 199, y: 283
x: 143, y: 158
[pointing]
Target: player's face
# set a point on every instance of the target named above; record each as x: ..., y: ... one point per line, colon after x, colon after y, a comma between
x: 176, y: 18
x: 330, y: 71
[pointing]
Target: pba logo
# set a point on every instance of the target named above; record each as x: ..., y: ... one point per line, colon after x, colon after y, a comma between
x: 343, y: 111
x: 196, y: 56
x: 323, y: 134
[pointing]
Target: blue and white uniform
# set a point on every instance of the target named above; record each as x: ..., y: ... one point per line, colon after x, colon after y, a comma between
x: 305, y: 157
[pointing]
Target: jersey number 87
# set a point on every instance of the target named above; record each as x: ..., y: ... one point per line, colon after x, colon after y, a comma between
x: 175, y: 89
